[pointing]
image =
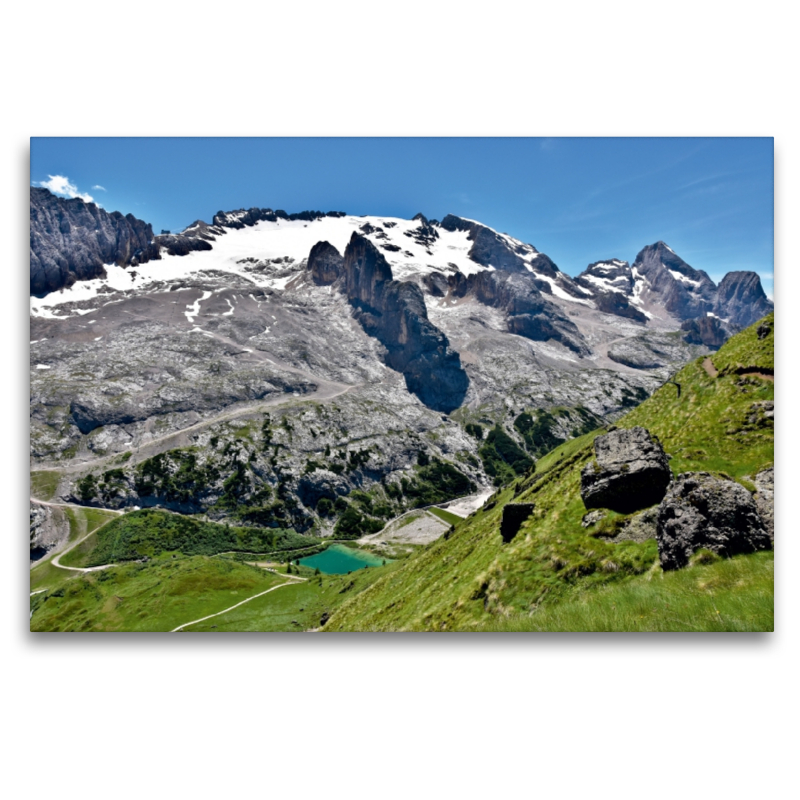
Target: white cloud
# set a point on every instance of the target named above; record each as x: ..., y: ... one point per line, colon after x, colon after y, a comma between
x: 60, y: 184
x: 100, y: 188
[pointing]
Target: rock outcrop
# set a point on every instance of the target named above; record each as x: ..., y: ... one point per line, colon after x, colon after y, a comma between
x: 514, y: 514
x: 49, y: 530
x: 707, y: 331
x: 700, y: 510
x: 71, y: 240
x: 528, y: 313
x: 741, y: 299
x: 394, y: 313
x: 765, y: 499
x: 488, y: 248
x: 325, y: 263
x: 630, y: 472
x: 198, y: 236
x: 684, y: 292
x: 246, y: 218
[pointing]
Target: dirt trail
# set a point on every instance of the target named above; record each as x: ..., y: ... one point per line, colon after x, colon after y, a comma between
x: 757, y: 373
x: 708, y: 366
x: 291, y: 582
x: 56, y: 560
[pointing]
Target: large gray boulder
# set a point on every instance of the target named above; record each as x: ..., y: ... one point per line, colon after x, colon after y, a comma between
x: 701, y: 510
x: 630, y: 472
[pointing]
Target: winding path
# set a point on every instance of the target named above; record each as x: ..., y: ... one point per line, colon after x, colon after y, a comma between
x: 242, y: 602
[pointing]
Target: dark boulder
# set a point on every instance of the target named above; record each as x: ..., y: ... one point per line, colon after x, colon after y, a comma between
x: 514, y: 514
x: 630, y: 472
x: 325, y: 263
x: 701, y: 510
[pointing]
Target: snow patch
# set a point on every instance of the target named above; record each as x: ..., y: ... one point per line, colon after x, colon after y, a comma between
x: 194, y: 309
x: 43, y: 366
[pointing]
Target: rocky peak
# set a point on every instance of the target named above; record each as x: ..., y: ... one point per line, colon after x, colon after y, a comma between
x: 71, y: 240
x: 741, y: 299
x: 325, y: 263
x: 683, y: 291
x: 488, y: 248
x: 394, y: 312
x: 612, y: 275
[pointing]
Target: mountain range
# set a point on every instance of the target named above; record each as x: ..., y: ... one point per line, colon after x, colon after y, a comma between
x: 252, y: 367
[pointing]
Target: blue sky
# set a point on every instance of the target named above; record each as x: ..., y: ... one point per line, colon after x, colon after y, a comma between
x: 577, y: 199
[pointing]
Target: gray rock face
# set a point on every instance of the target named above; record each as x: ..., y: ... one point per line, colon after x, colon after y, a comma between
x: 684, y: 292
x: 488, y: 249
x: 708, y: 331
x: 528, y: 313
x: 198, y: 236
x: 613, y: 275
x: 611, y: 284
x: 700, y: 510
x: 514, y: 514
x: 71, y: 240
x: 765, y: 499
x: 325, y: 263
x: 617, y: 304
x: 394, y: 312
x: 49, y: 530
x: 741, y: 299
x: 631, y: 472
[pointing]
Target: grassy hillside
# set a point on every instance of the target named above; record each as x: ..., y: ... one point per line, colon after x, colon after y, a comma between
x: 471, y: 581
x: 169, y: 592
x: 139, y: 597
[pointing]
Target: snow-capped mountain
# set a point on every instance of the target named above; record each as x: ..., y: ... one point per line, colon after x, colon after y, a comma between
x: 372, y: 337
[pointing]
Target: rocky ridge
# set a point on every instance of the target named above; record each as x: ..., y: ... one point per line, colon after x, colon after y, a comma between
x: 71, y: 240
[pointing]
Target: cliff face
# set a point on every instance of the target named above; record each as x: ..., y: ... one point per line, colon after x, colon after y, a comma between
x: 683, y: 291
x: 528, y: 313
x: 741, y: 300
x: 325, y: 263
x: 394, y: 313
x: 488, y: 249
x: 71, y: 240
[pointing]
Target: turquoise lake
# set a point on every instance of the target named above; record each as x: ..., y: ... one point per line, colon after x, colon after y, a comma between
x: 338, y: 560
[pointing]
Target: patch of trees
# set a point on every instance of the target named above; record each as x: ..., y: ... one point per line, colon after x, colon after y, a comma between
x: 152, y: 532
x: 434, y: 483
x: 503, y: 459
x: 537, y: 431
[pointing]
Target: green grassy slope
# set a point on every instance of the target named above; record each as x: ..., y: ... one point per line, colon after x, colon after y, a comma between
x: 155, y: 597
x: 82, y: 522
x: 471, y: 580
